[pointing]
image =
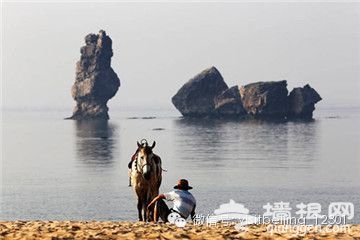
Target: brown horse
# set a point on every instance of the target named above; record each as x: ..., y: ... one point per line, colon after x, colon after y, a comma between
x: 146, y: 176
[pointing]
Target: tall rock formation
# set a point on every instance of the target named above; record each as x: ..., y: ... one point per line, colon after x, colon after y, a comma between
x: 95, y: 82
x: 302, y: 102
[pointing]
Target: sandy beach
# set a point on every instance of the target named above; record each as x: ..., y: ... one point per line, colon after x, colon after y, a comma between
x: 57, y: 230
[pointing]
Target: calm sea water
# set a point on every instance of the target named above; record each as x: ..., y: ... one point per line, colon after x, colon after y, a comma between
x: 62, y: 169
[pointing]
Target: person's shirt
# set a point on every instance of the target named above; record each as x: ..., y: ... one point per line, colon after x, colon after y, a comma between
x: 184, y: 201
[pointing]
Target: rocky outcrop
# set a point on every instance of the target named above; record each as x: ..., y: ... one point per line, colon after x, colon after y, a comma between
x: 265, y: 99
x: 302, y: 102
x: 207, y: 95
x: 196, y: 97
x: 95, y: 82
x: 228, y: 103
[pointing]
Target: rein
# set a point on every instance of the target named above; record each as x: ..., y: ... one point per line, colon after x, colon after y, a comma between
x: 135, y: 157
x: 141, y: 166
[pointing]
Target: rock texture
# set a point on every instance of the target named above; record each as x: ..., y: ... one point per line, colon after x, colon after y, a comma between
x: 228, y: 103
x: 302, y: 102
x: 265, y: 99
x: 96, y: 82
x: 207, y: 95
x: 196, y: 97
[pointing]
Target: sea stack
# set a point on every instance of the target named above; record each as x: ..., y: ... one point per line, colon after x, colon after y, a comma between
x: 95, y: 82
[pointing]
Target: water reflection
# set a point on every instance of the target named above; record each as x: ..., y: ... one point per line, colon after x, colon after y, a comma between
x: 246, y: 143
x: 95, y: 142
x: 197, y: 140
x: 303, y: 142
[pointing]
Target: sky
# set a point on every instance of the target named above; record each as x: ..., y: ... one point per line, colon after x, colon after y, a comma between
x: 159, y: 46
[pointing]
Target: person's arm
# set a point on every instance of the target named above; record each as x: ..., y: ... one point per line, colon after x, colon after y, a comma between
x: 158, y: 197
x: 193, y: 212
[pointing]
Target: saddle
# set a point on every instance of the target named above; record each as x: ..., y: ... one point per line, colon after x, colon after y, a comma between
x: 133, y: 158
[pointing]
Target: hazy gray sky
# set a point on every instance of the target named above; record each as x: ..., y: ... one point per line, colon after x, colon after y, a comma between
x: 159, y: 46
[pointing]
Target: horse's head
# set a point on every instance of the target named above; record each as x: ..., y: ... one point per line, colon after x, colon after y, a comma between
x: 145, y: 158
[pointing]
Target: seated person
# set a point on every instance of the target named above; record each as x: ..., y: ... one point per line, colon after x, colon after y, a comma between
x: 184, y: 202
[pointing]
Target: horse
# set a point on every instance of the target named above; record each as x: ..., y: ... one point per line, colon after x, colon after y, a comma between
x: 146, y: 176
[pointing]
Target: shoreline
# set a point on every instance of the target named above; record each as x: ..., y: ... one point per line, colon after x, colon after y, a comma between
x: 56, y: 230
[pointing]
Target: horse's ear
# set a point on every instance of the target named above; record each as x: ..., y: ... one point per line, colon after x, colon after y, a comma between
x: 139, y: 145
x: 153, y: 145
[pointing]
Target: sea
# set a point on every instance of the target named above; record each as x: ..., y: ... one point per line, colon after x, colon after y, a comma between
x: 56, y: 169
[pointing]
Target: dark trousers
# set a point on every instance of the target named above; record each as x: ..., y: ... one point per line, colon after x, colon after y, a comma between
x: 161, y: 211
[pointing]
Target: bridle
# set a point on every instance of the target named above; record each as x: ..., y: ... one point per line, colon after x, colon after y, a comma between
x: 139, y: 167
x: 144, y: 144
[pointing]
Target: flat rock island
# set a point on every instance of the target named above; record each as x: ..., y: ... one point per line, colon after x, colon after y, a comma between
x: 207, y: 95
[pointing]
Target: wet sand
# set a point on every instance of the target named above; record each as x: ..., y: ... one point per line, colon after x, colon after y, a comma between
x: 61, y: 230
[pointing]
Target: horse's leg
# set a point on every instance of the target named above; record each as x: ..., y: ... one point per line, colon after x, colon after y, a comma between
x: 150, y: 213
x: 139, y: 207
x: 145, y: 211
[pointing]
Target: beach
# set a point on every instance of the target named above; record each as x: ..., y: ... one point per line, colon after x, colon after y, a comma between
x: 56, y: 230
